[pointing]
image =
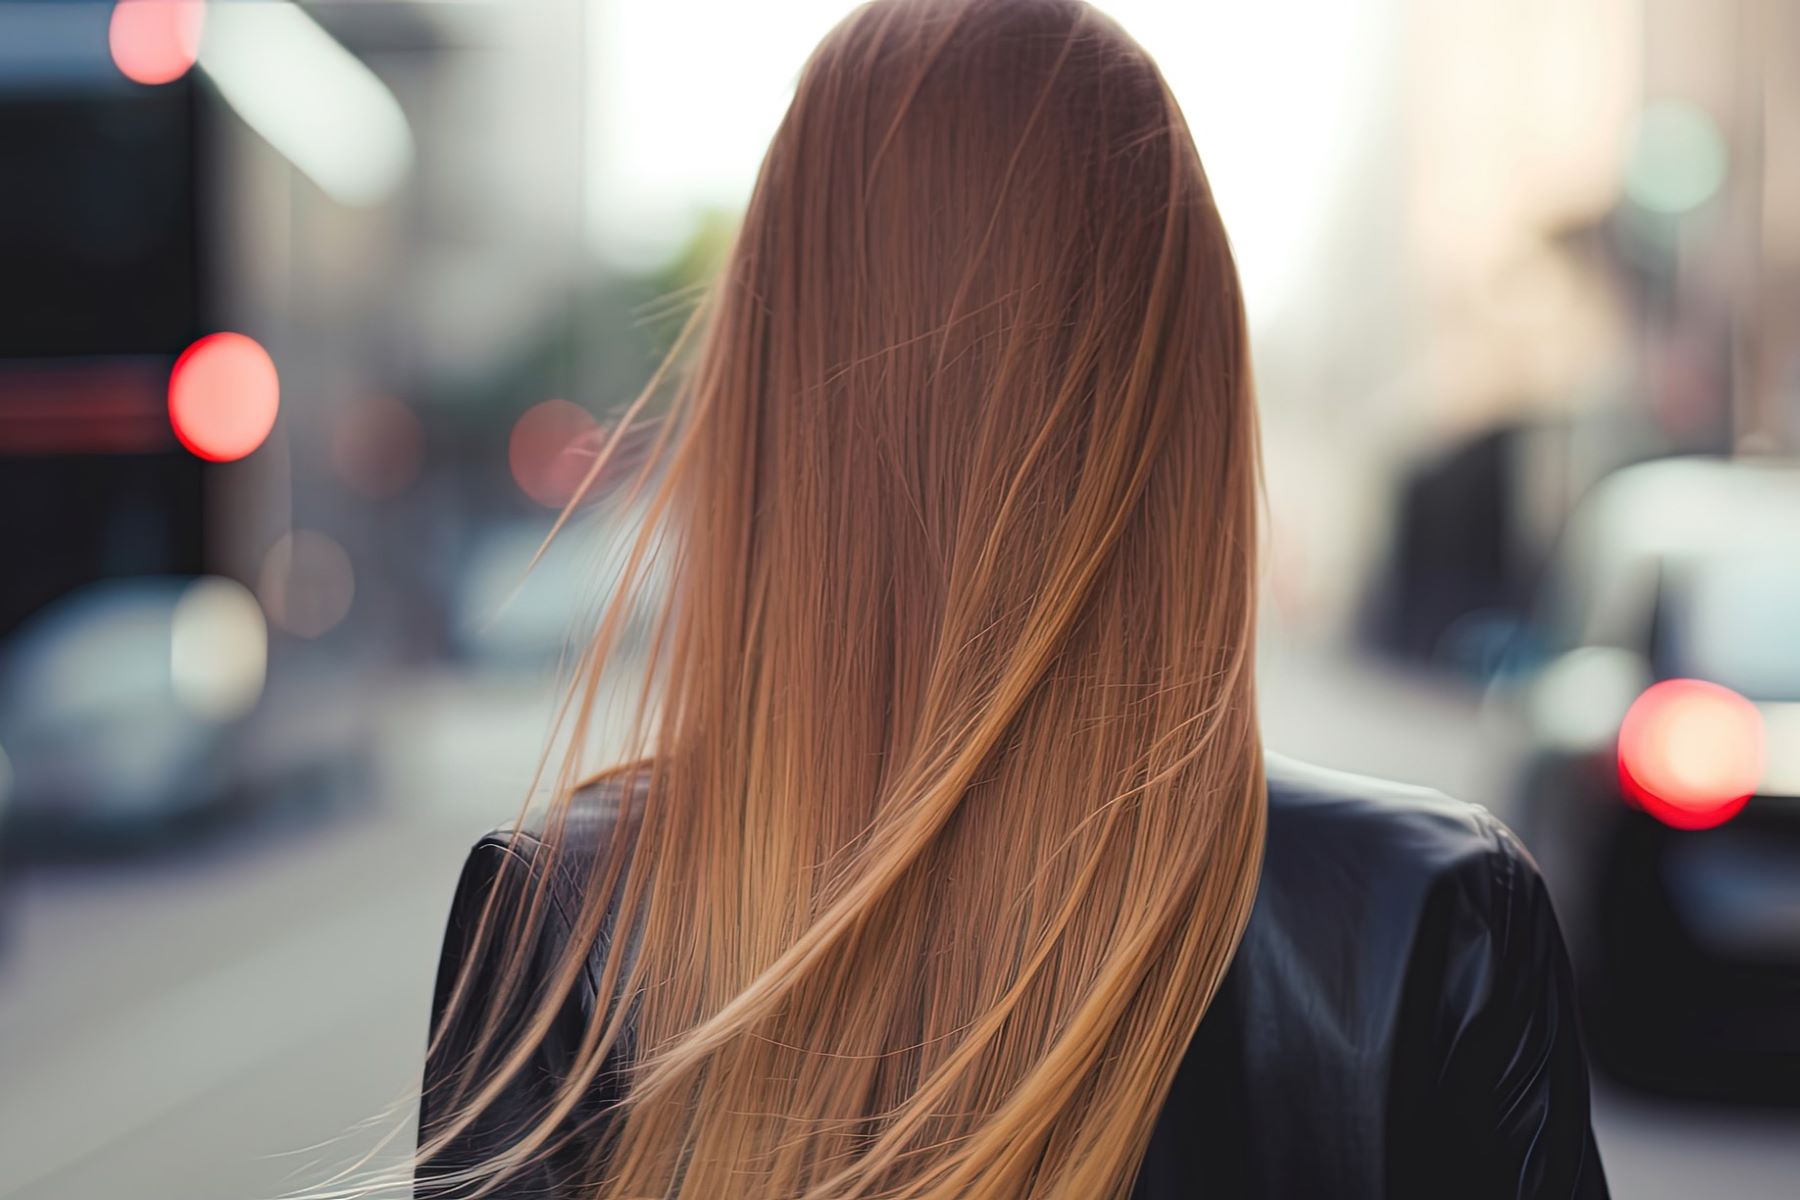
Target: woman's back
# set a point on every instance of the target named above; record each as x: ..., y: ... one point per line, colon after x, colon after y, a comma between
x: 948, y: 807
x: 1398, y: 1020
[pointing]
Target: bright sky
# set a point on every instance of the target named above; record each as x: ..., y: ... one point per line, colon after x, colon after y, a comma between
x: 687, y: 93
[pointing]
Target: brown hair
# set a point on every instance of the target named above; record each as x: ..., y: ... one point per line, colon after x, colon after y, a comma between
x: 947, y: 809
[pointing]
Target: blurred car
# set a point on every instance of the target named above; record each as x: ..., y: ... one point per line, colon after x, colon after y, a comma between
x: 1661, y: 791
x: 133, y: 705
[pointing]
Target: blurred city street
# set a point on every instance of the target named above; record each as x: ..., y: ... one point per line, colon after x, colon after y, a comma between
x: 215, y: 1025
x: 314, y: 313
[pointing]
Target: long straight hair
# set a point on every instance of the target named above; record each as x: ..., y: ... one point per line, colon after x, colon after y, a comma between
x: 946, y: 807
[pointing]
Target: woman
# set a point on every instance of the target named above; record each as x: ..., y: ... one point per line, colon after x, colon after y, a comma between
x: 946, y: 864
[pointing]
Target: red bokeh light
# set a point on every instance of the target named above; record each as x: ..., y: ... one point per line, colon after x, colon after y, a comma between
x: 1691, y: 752
x: 550, y: 451
x: 223, y: 396
x: 155, y: 41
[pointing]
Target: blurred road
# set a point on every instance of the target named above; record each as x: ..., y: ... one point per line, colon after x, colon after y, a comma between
x: 214, y: 1025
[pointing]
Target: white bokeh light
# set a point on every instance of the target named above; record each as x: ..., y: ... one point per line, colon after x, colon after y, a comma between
x: 218, y: 648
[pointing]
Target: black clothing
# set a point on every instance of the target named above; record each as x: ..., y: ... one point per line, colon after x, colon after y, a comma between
x: 1399, y: 1020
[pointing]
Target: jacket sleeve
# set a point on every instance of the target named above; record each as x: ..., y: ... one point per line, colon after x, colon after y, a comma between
x: 1514, y: 1081
x: 463, y: 1057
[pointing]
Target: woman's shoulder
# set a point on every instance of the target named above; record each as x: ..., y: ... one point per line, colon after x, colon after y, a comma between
x: 1399, y: 1014
x: 533, y: 875
x: 579, y: 829
x: 1352, y: 836
x: 1394, y: 891
x: 530, y: 878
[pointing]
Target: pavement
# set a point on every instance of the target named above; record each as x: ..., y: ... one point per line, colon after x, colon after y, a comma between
x: 237, y: 1020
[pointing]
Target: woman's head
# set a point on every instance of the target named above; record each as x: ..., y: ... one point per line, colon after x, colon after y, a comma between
x: 949, y: 810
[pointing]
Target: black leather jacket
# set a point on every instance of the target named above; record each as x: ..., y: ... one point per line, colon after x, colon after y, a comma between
x: 1399, y: 1019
